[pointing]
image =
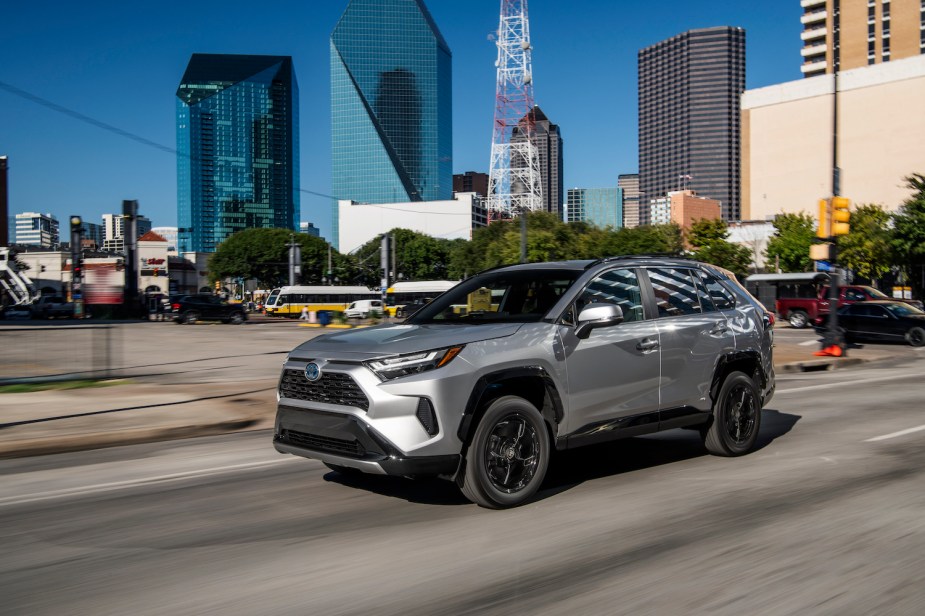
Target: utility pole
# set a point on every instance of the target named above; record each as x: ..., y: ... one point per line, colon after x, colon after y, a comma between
x: 295, y: 261
x: 384, y: 264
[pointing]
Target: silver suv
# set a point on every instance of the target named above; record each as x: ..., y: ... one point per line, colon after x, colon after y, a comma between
x: 481, y: 383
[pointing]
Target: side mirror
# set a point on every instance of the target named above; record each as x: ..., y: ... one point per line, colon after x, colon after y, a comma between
x: 594, y: 316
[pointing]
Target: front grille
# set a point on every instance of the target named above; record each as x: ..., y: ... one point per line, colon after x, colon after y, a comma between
x: 324, y: 443
x: 331, y: 388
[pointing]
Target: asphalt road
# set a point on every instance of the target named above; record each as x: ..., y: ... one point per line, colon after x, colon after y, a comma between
x: 820, y: 520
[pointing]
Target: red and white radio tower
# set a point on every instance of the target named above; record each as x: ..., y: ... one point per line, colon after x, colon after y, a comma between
x: 514, y: 180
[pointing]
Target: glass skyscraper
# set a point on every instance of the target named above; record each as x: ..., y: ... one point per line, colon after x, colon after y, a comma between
x: 690, y: 90
x: 238, y: 149
x: 391, y: 107
x: 602, y: 207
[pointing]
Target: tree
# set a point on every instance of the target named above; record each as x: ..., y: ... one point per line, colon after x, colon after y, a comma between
x: 867, y: 249
x: 909, y: 233
x: 263, y: 255
x: 417, y: 257
x: 708, y: 237
x: 789, y: 246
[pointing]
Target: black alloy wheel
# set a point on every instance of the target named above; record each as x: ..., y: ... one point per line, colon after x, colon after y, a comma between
x: 508, y: 456
x: 237, y: 318
x: 190, y: 317
x: 736, y: 417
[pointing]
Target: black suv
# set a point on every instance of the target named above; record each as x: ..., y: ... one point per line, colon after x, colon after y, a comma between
x: 206, y: 307
x: 483, y: 382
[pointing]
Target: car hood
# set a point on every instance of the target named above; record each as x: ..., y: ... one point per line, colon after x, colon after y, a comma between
x: 385, y: 340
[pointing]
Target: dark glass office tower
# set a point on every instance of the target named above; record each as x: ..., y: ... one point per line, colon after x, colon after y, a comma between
x: 391, y: 107
x: 689, y: 120
x: 548, y: 141
x: 4, y: 205
x: 237, y: 137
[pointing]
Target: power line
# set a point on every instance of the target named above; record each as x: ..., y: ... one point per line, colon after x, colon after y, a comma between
x: 44, y: 102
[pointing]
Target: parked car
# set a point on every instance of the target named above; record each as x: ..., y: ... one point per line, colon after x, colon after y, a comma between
x: 51, y: 307
x: 546, y: 355
x: 883, y: 320
x: 362, y: 308
x: 406, y: 310
x: 806, y: 311
x: 206, y: 307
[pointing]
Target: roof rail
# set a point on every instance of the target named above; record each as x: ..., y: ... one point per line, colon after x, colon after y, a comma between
x: 652, y: 255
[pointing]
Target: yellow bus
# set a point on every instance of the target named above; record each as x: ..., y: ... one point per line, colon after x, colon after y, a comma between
x: 289, y: 301
x: 413, y: 292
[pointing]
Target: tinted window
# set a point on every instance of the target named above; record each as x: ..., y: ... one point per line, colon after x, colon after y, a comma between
x: 620, y: 287
x: 675, y: 291
x: 722, y: 297
x: 854, y: 296
x: 521, y: 296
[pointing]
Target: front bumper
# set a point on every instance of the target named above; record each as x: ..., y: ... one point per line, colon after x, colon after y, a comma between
x: 344, y: 440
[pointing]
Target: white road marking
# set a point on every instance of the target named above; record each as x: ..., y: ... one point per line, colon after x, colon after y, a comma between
x: 121, y: 485
x: 895, y: 434
x: 842, y: 384
x: 808, y: 343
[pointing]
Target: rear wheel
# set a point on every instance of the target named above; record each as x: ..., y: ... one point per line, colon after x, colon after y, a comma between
x: 798, y: 319
x: 736, y: 417
x: 190, y: 317
x: 508, y: 455
x: 916, y: 336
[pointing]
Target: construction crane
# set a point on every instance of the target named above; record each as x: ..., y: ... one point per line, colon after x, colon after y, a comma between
x: 514, y: 185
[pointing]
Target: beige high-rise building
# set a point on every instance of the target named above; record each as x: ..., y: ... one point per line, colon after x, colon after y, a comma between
x: 850, y: 34
x: 787, y: 139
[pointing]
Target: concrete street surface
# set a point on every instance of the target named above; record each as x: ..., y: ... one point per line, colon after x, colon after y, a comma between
x: 826, y: 517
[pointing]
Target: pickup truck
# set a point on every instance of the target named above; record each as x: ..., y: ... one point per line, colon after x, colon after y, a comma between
x: 51, y: 306
x: 803, y: 311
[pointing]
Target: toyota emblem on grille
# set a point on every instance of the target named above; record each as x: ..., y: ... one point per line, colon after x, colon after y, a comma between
x: 312, y: 371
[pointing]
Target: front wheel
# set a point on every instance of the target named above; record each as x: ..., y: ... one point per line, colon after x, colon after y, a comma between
x: 508, y: 455
x: 798, y: 319
x: 237, y: 318
x: 916, y: 336
x: 736, y: 417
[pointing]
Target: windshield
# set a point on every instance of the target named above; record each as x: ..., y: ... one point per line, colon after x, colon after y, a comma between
x: 900, y: 309
x: 523, y: 296
x: 271, y: 301
x: 877, y: 294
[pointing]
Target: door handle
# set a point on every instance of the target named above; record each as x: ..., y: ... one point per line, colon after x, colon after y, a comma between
x: 647, y: 344
x: 719, y: 327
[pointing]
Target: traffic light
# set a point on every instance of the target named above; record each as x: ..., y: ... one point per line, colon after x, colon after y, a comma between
x: 823, y: 230
x: 840, y: 216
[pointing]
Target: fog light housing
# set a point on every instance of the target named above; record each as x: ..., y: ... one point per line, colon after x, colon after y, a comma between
x: 427, y: 416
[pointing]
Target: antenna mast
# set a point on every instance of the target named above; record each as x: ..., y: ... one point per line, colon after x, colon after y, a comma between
x: 514, y: 179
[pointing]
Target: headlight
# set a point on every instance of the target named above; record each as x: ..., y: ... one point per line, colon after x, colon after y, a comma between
x: 414, y: 363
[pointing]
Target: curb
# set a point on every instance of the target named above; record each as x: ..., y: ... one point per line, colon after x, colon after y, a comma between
x: 819, y: 365
x: 66, y: 444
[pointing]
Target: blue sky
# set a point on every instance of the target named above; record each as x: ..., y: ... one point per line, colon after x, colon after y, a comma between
x: 120, y: 63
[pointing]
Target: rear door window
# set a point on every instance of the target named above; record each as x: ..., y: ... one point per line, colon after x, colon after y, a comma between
x: 675, y: 291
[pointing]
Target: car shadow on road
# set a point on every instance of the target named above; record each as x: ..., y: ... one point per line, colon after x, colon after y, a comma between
x: 429, y: 491
x: 569, y: 469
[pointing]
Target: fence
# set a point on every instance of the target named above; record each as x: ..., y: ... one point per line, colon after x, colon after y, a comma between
x: 57, y: 353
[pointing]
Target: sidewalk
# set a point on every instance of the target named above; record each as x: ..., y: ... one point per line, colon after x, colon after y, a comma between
x: 47, y: 422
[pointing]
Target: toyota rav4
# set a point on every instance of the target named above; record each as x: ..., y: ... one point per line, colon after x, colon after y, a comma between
x: 483, y: 382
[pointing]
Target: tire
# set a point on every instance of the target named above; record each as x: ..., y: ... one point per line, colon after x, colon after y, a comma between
x: 190, y: 317
x: 736, y: 417
x: 798, y: 319
x: 508, y: 456
x: 343, y: 470
x: 236, y: 319
x: 916, y: 336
